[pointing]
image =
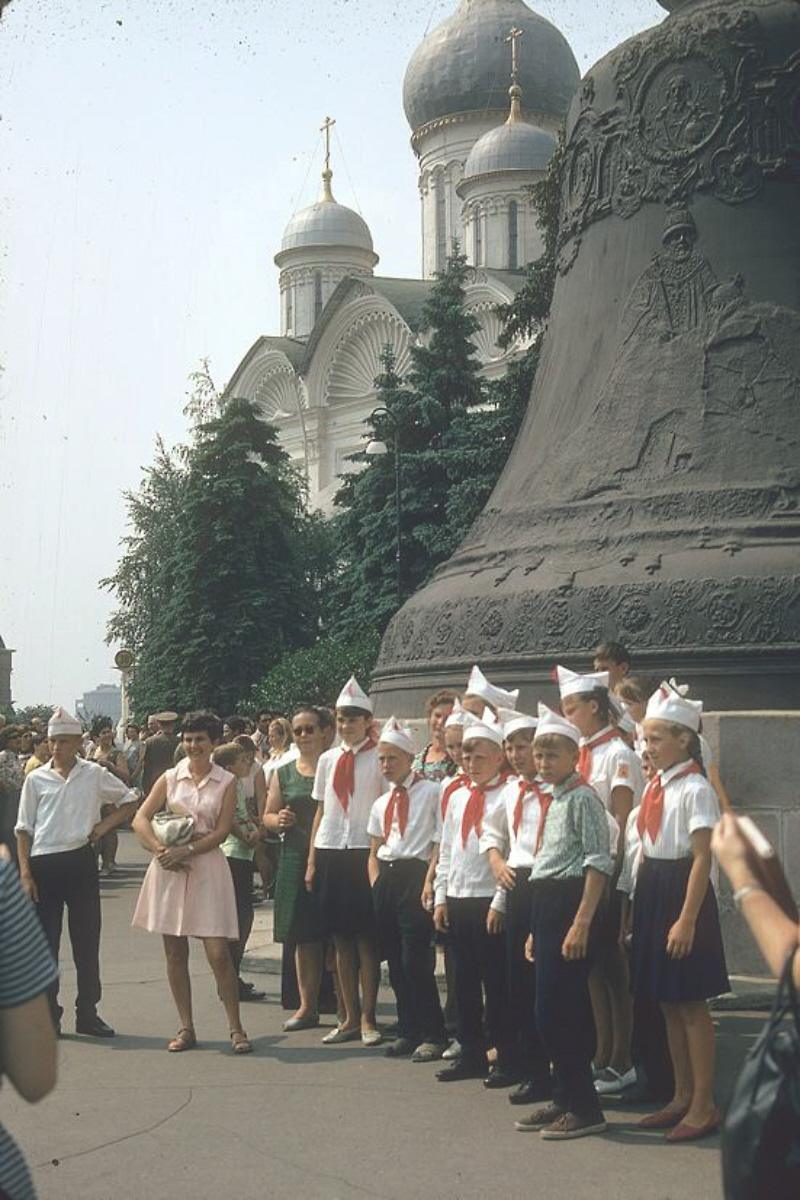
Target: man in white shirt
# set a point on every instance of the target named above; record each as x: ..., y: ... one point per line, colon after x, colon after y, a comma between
x: 58, y: 825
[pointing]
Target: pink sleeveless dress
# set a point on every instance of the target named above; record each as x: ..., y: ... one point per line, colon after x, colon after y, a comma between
x: 200, y: 901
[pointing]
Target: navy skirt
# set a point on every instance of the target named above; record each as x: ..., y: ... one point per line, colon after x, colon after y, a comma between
x: 660, y: 894
x: 344, y: 896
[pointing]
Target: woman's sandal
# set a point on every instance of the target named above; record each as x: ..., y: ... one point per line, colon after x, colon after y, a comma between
x: 240, y: 1042
x: 184, y: 1040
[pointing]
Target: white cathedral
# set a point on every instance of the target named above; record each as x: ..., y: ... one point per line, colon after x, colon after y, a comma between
x: 480, y: 146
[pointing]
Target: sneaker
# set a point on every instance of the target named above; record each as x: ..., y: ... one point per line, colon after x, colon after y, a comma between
x: 569, y: 1126
x: 452, y: 1051
x: 539, y: 1118
x: 427, y: 1052
x: 610, y: 1082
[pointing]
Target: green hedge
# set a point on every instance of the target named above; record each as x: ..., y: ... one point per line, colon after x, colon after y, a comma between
x: 317, y: 675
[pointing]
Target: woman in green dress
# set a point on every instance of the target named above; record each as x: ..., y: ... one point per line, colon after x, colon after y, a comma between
x: 290, y: 813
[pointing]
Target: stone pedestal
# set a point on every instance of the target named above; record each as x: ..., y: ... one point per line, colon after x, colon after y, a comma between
x: 758, y: 754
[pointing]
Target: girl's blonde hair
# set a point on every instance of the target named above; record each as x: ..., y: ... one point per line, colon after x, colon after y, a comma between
x: 285, y: 728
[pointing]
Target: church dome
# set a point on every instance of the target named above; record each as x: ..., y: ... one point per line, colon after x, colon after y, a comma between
x: 327, y: 223
x: 515, y: 146
x: 462, y: 65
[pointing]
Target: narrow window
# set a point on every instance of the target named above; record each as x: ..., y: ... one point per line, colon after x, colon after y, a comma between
x: 478, y: 237
x: 317, y: 296
x: 441, y: 223
x: 513, y: 253
x: 289, y: 310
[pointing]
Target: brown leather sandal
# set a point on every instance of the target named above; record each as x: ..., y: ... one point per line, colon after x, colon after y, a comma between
x: 240, y: 1042
x: 184, y: 1040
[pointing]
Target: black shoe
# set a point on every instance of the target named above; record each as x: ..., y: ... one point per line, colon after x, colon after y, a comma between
x: 461, y: 1069
x: 500, y: 1077
x: 248, y: 992
x: 531, y: 1092
x: 400, y: 1048
x: 93, y: 1026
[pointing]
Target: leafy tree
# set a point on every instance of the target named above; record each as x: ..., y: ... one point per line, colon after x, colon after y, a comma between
x: 222, y: 570
x: 316, y: 675
x: 443, y: 384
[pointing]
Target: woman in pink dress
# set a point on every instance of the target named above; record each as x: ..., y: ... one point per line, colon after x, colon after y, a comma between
x: 188, y: 891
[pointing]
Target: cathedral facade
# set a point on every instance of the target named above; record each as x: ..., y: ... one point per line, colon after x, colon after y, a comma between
x: 479, y: 147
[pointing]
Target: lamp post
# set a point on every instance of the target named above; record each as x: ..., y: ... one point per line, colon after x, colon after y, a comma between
x: 377, y: 449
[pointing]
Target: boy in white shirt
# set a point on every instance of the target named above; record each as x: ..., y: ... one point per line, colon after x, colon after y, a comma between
x: 347, y: 784
x: 403, y: 827
x: 510, y: 833
x: 470, y: 905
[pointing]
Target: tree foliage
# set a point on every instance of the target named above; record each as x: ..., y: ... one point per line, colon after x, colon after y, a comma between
x: 316, y: 675
x: 221, y: 572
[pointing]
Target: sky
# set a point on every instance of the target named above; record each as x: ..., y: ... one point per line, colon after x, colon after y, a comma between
x: 152, y: 152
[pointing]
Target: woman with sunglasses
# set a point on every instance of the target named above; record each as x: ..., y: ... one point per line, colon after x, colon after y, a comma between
x: 290, y: 813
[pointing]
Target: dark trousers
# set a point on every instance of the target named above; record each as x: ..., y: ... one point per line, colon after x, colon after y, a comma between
x: 242, y: 875
x: 480, y: 971
x: 563, y: 1008
x: 521, y: 977
x: 70, y: 879
x: 405, y: 934
x: 649, y: 1049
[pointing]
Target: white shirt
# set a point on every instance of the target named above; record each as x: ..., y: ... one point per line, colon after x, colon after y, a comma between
x: 614, y: 765
x: 689, y: 804
x: 340, y: 830
x: 463, y: 871
x: 498, y: 826
x: 59, y: 814
x: 632, y: 856
x: 424, y: 821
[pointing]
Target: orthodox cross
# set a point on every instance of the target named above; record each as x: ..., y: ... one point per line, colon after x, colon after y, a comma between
x: 326, y: 128
x: 513, y: 38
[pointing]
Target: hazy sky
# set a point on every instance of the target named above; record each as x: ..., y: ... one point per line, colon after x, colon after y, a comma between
x: 152, y: 152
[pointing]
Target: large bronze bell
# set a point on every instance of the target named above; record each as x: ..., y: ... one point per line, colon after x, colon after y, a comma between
x: 653, y: 495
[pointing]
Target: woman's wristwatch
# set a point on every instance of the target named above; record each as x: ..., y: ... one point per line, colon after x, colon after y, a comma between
x: 740, y: 893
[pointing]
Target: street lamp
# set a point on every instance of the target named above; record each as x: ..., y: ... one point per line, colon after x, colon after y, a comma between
x: 377, y: 449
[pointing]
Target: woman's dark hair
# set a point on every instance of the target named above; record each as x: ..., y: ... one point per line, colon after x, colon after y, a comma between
x: 8, y: 733
x: 327, y: 720
x: 605, y: 712
x: 99, y: 724
x: 235, y: 724
x: 308, y: 708
x: 38, y: 738
x: 203, y: 721
x: 246, y: 742
x: 443, y: 696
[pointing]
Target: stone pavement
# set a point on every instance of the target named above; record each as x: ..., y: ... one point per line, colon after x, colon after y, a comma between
x: 298, y: 1119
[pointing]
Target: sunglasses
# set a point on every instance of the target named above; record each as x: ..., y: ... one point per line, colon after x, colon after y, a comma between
x: 298, y: 729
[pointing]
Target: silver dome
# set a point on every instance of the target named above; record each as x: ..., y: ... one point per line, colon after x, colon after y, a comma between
x: 464, y: 64
x: 515, y: 146
x: 327, y: 223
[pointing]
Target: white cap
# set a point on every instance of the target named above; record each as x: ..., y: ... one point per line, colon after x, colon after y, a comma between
x: 626, y: 722
x: 478, y: 685
x: 398, y: 735
x: 553, y: 722
x: 487, y: 727
x: 669, y: 703
x: 62, y: 722
x: 513, y: 721
x: 353, y: 695
x: 570, y: 683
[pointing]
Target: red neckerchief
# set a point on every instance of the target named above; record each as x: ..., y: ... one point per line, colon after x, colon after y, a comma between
x: 473, y: 812
x: 344, y: 773
x: 459, y: 781
x: 398, y: 801
x: 651, y: 813
x: 524, y: 788
x: 591, y: 744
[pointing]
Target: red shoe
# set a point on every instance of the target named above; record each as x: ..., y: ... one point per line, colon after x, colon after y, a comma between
x: 665, y: 1118
x: 693, y: 1133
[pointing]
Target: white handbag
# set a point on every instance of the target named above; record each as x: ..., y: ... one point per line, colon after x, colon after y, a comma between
x: 173, y: 829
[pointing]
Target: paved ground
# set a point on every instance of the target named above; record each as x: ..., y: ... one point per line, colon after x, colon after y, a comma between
x: 297, y: 1119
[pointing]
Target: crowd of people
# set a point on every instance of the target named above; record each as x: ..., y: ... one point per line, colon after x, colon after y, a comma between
x: 560, y: 861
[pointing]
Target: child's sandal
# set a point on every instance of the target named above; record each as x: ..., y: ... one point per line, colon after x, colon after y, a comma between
x: 240, y: 1042
x: 184, y: 1040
